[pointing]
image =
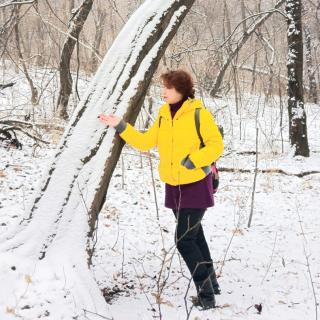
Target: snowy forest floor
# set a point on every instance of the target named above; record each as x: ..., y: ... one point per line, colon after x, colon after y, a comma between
x: 274, y: 263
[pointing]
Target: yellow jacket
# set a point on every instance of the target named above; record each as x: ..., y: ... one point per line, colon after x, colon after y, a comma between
x: 176, y: 138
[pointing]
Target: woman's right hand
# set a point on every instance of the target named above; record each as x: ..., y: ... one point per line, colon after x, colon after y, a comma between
x: 109, y: 120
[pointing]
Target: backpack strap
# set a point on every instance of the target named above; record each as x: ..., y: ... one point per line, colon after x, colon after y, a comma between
x: 206, y: 169
x: 197, y: 122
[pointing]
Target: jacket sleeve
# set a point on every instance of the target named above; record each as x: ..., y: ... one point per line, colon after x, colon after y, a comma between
x: 212, y: 139
x: 141, y: 141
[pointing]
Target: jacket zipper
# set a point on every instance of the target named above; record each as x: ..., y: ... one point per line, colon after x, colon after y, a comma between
x: 172, y: 148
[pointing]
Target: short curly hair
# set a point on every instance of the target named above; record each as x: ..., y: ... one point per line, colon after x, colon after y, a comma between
x: 181, y: 81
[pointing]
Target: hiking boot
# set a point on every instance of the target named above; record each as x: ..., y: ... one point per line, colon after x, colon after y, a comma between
x: 205, y: 294
x: 213, y: 278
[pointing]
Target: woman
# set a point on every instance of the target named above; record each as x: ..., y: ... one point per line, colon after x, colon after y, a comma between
x: 185, y: 168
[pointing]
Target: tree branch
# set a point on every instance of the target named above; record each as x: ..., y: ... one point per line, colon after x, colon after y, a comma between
x: 11, y: 3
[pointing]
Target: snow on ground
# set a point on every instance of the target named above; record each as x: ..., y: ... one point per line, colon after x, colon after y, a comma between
x: 274, y: 263
x: 264, y: 264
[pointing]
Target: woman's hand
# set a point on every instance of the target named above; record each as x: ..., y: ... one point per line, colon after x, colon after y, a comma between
x: 109, y: 120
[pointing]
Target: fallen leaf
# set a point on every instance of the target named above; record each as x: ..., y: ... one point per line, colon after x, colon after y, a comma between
x: 238, y: 231
x: 258, y: 307
x: 10, y: 310
x: 28, y: 279
x: 160, y: 300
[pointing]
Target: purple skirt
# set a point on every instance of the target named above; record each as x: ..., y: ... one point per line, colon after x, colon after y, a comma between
x: 197, y: 194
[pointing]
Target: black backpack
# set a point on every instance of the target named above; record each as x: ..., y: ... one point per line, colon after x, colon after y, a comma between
x: 214, y: 169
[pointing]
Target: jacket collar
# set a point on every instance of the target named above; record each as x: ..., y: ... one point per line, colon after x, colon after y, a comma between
x: 188, y: 105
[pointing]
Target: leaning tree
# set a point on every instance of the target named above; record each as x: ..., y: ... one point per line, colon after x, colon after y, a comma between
x: 49, y: 252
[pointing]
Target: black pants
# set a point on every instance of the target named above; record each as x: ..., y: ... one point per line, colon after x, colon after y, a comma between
x: 191, y: 243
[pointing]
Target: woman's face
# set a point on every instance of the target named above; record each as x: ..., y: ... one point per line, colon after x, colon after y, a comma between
x: 171, y: 95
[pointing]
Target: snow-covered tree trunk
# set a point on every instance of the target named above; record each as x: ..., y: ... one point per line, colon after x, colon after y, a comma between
x: 49, y: 251
x: 297, y: 116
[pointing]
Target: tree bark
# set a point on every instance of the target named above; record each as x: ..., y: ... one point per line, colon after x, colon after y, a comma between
x: 313, y: 96
x: 297, y: 116
x: 78, y: 18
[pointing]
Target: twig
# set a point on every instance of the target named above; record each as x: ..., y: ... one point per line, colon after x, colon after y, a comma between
x: 228, y: 247
x: 89, y: 47
x: 254, y: 179
x: 229, y: 244
x: 141, y: 154
x: 151, y: 169
x: 154, y: 188
x: 30, y: 135
x: 249, y: 17
x: 141, y: 287
x: 32, y: 125
x: 280, y: 171
x: 122, y: 263
x: 185, y: 300
x: 11, y: 3
x: 308, y: 263
x: 53, y: 12
x: 122, y: 169
x: 115, y: 8
x: 118, y: 224
x: 97, y: 314
x: 269, y: 266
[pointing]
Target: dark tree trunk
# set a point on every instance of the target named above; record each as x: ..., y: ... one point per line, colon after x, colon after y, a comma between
x: 77, y: 21
x: 297, y: 116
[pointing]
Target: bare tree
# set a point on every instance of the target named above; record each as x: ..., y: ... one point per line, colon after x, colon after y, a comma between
x: 196, y: 44
x: 297, y: 116
x: 99, y: 22
x: 13, y: 3
x: 34, y: 91
x: 77, y: 21
x: 242, y: 41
